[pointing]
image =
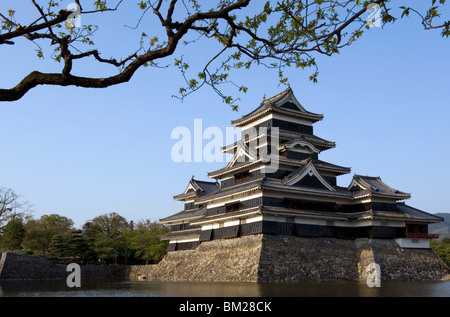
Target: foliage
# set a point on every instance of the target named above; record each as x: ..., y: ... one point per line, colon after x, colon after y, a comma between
x: 57, y: 246
x: 39, y: 233
x: 442, y: 249
x: 145, y: 241
x: 246, y: 33
x: 13, y: 235
x: 108, y: 238
x: 105, y: 234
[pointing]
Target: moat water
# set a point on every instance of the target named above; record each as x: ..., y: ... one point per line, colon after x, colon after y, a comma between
x: 120, y: 288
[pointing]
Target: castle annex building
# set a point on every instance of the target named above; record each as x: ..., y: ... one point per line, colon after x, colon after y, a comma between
x: 300, y: 198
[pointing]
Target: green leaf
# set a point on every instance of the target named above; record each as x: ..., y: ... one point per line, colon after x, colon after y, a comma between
x: 263, y: 17
x: 39, y: 54
x: 405, y: 12
x: 142, y: 5
x: 193, y: 83
x: 267, y: 8
x: 228, y: 99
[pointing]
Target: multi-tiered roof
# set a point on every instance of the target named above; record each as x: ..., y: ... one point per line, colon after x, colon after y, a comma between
x: 300, y: 197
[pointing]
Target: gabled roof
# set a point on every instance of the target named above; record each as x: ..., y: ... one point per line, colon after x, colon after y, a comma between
x: 242, y: 150
x: 284, y: 103
x: 375, y: 186
x: 182, y: 234
x: 292, y: 137
x: 285, y: 137
x: 197, y: 188
x: 307, y: 170
x: 318, y: 164
x: 277, y: 185
x: 415, y: 214
x: 240, y: 188
x: 236, y: 167
x: 185, y: 215
x: 299, y: 143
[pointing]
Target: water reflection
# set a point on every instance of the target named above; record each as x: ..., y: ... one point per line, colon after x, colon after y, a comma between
x: 102, y: 288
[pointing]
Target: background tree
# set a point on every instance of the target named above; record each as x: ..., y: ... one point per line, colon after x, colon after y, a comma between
x: 39, y: 233
x: 76, y: 246
x: 104, y: 235
x: 146, y: 242
x: 57, y: 246
x: 276, y: 34
x: 11, y: 207
x: 442, y: 249
x: 12, y: 236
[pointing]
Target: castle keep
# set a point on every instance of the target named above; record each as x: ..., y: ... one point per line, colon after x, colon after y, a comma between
x: 300, y: 198
x: 276, y: 194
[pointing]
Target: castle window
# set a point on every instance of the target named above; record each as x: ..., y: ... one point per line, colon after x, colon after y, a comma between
x: 232, y: 207
x: 241, y: 177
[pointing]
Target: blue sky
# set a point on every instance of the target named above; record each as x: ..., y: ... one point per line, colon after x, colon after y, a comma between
x: 85, y: 152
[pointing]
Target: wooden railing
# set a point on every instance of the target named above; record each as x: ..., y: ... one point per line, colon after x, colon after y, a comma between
x: 422, y: 235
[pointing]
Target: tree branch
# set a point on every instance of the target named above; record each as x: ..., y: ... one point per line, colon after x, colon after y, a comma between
x: 62, y: 16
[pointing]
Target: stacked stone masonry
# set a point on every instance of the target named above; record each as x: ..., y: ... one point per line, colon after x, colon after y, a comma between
x: 283, y: 258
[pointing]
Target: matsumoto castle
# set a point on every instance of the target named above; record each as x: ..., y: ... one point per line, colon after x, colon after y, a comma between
x: 299, y: 197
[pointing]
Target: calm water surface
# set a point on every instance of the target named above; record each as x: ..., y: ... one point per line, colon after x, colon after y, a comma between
x: 120, y: 288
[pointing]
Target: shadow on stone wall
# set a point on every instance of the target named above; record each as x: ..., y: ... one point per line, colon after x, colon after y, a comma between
x: 21, y: 266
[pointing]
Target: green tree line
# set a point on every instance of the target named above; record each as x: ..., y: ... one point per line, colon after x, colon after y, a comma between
x: 442, y: 249
x: 106, y: 239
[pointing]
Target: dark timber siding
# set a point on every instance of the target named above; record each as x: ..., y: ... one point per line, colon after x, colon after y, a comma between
x: 251, y: 176
x: 205, y: 235
x: 226, y: 232
x: 388, y: 232
x: 292, y: 127
x: 242, y: 205
x: 384, y: 206
x: 289, y: 228
x: 286, y: 126
x: 251, y: 228
x: 294, y: 155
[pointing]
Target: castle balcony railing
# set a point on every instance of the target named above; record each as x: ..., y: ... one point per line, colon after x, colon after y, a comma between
x: 422, y: 235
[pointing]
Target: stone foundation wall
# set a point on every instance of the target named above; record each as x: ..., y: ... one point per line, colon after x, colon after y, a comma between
x: 21, y: 266
x: 290, y: 258
x: 279, y: 258
x: 407, y: 264
x: 217, y: 260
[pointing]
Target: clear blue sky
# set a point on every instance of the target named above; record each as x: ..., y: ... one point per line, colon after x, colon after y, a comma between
x: 85, y: 152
